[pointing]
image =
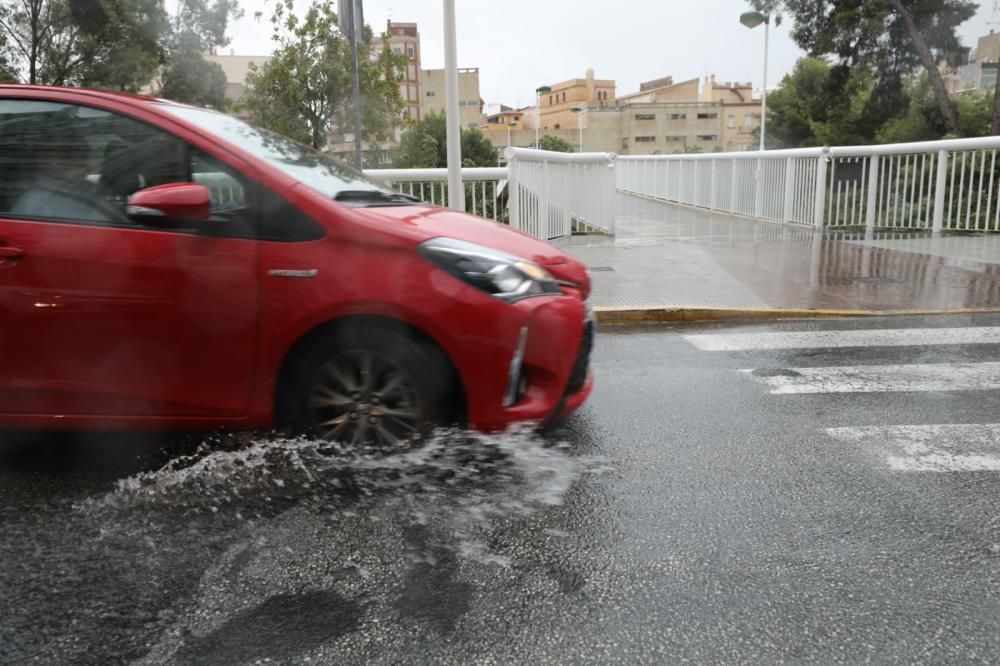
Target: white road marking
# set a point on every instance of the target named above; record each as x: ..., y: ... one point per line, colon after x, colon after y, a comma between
x: 930, y: 448
x: 881, y: 378
x: 896, y: 337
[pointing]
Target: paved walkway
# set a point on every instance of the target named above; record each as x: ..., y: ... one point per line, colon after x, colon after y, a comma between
x: 666, y: 255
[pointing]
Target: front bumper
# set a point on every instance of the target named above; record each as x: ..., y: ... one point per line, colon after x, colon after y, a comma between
x: 555, y: 364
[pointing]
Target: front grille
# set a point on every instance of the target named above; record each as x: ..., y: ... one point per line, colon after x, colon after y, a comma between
x: 579, y: 373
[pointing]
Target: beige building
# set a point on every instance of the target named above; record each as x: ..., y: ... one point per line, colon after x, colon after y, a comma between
x: 556, y: 107
x: 663, y: 117
x: 470, y: 104
x: 404, y: 39
x: 236, y: 69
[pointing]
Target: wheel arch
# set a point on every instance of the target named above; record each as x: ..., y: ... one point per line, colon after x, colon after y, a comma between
x: 329, y: 328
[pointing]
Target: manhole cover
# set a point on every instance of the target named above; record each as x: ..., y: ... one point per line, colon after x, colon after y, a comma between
x: 596, y: 269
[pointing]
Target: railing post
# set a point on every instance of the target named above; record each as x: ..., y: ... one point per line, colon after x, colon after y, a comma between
x: 871, y: 202
x: 711, y: 203
x: 513, y: 194
x: 939, y: 190
x: 694, y: 192
x: 786, y: 212
x: 757, y: 190
x: 820, y: 198
x: 732, y: 188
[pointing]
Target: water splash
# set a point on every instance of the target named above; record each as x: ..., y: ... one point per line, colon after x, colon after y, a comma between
x: 457, y: 483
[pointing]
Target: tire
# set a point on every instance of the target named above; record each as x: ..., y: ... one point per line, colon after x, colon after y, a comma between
x: 369, y: 387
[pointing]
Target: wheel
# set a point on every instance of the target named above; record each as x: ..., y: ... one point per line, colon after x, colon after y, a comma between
x: 370, y: 387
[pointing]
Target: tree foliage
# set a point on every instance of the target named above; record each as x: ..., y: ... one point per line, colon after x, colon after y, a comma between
x: 890, y: 38
x: 305, y: 90
x: 816, y: 104
x: 112, y: 44
x: 805, y: 110
x: 922, y: 120
x: 116, y: 44
x: 191, y: 79
x: 424, y: 144
x: 556, y: 143
x: 198, y: 27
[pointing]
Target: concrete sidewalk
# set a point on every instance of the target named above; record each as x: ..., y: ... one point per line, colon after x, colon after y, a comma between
x: 676, y: 257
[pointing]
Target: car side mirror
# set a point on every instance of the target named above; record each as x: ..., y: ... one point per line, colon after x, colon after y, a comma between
x: 162, y: 204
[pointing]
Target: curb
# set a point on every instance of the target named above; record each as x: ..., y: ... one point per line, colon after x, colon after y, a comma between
x: 672, y: 313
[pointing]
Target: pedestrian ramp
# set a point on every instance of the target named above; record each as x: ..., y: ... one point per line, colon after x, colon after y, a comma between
x: 935, y: 447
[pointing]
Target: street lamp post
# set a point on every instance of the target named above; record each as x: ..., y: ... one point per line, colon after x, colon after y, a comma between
x: 752, y: 20
x: 453, y: 135
x: 541, y: 90
x: 579, y: 111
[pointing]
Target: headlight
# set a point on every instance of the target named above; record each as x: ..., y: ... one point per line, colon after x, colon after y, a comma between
x: 498, y: 274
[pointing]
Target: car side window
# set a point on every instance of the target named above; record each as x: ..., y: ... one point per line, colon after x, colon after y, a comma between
x: 74, y: 163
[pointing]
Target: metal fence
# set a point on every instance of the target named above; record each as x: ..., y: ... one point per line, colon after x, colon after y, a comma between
x: 931, y: 185
x: 484, y: 187
x: 542, y: 193
x: 555, y: 194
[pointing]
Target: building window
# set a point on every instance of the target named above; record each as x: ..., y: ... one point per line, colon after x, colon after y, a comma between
x: 625, y: 142
x: 678, y: 116
x: 673, y: 137
x: 557, y: 125
x: 708, y: 137
x: 550, y: 100
x: 564, y: 97
x: 397, y: 49
x: 731, y: 122
x: 645, y: 116
x: 431, y: 93
x: 748, y: 120
x: 645, y: 139
x: 706, y: 116
x: 409, y: 51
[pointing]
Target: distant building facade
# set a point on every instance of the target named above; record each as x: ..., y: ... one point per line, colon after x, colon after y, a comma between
x: 470, y: 104
x: 404, y: 39
x: 663, y: 117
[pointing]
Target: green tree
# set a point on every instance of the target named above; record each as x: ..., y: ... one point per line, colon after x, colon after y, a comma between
x: 555, y: 143
x: 424, y: 145
x: 305, y: 90
x: 922, y: 120
x: 198, y: 27
x: 101, y: 43
x: 890, y: 38
x: 191, y: 79
x: 814, y: 106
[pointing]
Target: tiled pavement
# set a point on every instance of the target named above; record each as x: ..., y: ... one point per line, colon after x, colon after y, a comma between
x: 663, y: 254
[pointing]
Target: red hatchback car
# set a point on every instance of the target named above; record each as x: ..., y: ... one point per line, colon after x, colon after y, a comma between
x: 164, y: 266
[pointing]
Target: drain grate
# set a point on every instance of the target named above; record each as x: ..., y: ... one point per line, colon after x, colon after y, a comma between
x: 598, y: 269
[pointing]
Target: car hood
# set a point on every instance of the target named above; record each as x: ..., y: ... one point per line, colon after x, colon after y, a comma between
x: 421, y: 222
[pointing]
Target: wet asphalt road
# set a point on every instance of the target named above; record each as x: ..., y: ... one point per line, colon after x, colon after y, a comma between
x: 691, y: 515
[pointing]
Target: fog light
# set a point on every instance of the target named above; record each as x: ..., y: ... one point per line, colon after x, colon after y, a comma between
x: 514, y: 378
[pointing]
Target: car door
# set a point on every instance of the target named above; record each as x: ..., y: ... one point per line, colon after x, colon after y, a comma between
x: 100, y: 315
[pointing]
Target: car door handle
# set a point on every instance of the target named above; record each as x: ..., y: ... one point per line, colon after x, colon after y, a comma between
x: 10, y: 252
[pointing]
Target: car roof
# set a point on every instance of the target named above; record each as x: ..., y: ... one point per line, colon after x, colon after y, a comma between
x: 101, y: 94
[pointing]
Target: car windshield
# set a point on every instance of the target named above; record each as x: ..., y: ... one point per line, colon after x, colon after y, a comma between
x: 321, y: 172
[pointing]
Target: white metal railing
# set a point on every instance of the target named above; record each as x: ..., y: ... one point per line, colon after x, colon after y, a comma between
x: 933, y: 185
x: 542, y: 193
x: 554, y: 194
x: 484, y: 187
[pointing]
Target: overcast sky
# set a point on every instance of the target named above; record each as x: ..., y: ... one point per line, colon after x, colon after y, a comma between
x: 519, y: 45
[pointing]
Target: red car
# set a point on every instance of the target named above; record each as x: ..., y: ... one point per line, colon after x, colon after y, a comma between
x: 164, y: 266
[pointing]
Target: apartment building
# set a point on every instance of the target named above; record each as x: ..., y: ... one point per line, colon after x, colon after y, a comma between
x: 470, y: 104
x: 404, y: 39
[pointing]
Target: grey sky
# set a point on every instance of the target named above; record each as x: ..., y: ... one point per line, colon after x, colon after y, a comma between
x: 519, y: 45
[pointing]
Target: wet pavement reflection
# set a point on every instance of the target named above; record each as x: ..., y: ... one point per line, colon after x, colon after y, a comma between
x: 664, y: 254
